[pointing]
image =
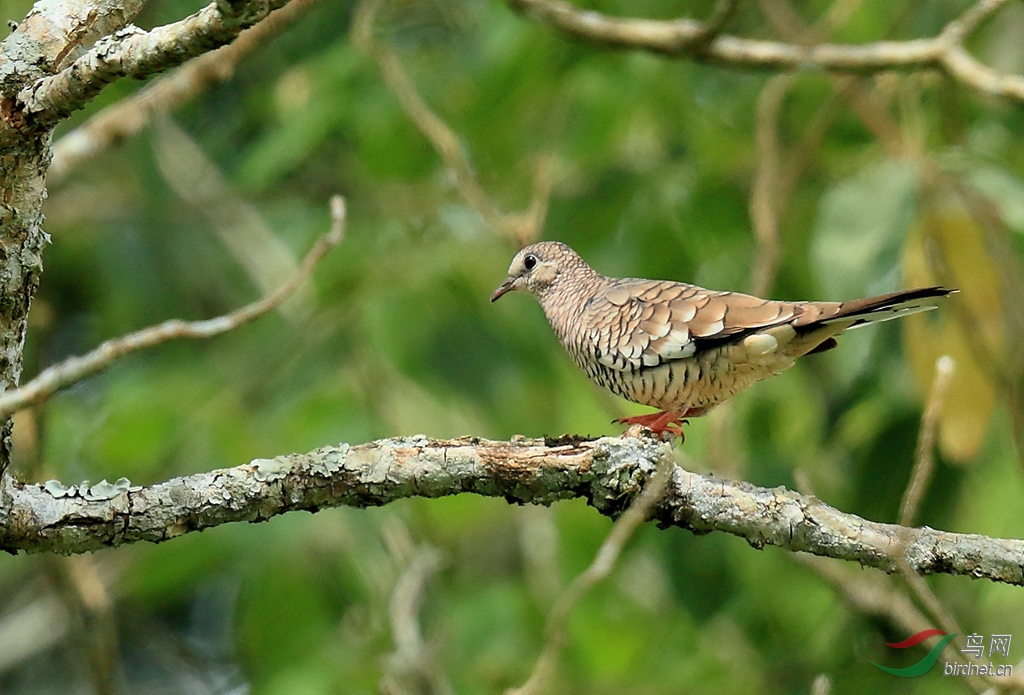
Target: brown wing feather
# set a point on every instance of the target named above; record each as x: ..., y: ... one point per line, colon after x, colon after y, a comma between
x: 643, y: 323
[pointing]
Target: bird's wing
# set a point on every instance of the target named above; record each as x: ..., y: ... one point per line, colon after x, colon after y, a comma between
x: 643, y: 323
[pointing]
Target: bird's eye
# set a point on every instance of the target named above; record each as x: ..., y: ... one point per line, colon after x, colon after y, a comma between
x: 530, y: 261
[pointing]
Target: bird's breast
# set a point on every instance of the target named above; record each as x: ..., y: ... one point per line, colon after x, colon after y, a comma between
x: 701, y: 381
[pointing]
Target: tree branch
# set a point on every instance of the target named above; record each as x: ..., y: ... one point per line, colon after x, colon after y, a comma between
x: 53, y: 32
x: 131, y: 114
x: 687, y: 38
x: 75, y: 369
x: 607, y: 472
x: 139, y: 54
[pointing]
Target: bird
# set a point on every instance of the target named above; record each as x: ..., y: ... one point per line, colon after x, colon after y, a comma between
x: 678, y: 347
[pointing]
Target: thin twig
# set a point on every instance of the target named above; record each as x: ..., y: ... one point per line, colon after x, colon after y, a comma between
x: 870, y: 593
x: 521, y: 228
x: 878, y: 595
x: 785, y: 19
x: 960, y: 28
x: 765, y: 203
x: 243, y: 231
x: 600, y: 567
x: 924, y: 459
x: 75, y: 369
x: 773, y: 182
x: 720, y: 17
x: 945, y: 620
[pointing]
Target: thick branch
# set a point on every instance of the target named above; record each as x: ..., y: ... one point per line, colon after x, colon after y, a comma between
x: 688, y: 38
x: 607, y: 472
x: 139, y: 54
x: 54, y: 32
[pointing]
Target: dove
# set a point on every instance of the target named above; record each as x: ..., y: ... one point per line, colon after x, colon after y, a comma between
x: 678, y: 347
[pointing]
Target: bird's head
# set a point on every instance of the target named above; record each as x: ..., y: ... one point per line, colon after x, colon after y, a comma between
x: 536, y: 268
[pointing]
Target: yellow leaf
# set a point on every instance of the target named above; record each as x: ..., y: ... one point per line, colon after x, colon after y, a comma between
x: 947, y: 246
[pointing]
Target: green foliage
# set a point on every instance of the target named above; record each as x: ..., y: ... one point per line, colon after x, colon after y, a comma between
x: 655, y: 162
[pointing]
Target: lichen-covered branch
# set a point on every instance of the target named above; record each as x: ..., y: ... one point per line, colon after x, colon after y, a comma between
x: 687, y: 38
x: 131, y: 114
x: 136, y: 53
x: 51, y: 35
x: 55, y: 32
x: 607, y: 472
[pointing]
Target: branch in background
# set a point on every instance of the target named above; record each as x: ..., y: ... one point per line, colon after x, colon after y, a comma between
x: 683, y: 38
x: 136, y: 53
x: 774, y: 183
x: 130, y: 115
x: 521, y: 228
x: 607, y: 472
x: 602, y: 565
x: 75, y: 369
x: 412, y: 668
x: 879, y: 596
x: 940, y: 616
x: 773, y: 186
x: 199, y: 183
x: 765, y: 202
x: 871, y: 594
x: 85, y: 595
x: 720, y: 17
x: 871, y: 109
x: 924, y: 460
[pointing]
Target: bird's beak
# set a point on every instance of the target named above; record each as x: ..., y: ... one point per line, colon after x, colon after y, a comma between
x: 503, y: 288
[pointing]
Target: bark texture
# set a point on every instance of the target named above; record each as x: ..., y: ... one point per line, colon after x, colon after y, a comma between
x: 607, y: 472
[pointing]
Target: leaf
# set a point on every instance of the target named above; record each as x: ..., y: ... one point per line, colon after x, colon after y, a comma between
x: 947, y: 246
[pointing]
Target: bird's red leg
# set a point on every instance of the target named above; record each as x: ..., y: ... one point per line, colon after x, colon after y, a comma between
x: 657, y: 423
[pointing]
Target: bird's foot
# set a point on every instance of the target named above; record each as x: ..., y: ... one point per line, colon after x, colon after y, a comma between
x: 658, y: 423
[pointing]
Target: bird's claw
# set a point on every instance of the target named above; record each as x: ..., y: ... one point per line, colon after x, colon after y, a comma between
x: 658, y: 423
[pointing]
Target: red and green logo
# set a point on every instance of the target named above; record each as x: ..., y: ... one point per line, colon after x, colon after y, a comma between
x: 925, y: 664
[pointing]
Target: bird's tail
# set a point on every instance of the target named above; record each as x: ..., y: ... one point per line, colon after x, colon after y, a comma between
x: 887, y: 306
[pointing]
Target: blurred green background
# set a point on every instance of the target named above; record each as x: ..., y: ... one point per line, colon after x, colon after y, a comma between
x: 899, y: 179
